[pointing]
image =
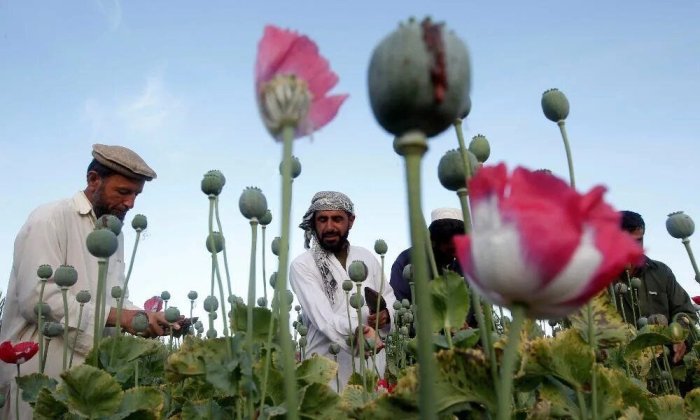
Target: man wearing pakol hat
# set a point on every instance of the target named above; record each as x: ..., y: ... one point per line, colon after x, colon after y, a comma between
x: 55, y: 234
x: 445, y: 223
x: 316, y: 276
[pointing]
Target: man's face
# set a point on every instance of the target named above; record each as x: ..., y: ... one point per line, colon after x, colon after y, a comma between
x: 332, y: 228
x: 113, y: 195
x: 637, y: 235
x: 445, y: 252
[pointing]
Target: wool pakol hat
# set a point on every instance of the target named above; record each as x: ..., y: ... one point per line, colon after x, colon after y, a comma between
x: 123, y: 161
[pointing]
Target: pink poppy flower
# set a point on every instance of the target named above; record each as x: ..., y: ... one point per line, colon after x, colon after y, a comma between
x: 696, y: 300
x: 18, y: 353
x: 383, y: 386
x: 291, y: 83
x: 539, y: 243
x: 154, y: 304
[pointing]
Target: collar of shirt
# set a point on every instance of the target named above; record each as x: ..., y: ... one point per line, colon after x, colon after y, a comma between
x: 83, y: 206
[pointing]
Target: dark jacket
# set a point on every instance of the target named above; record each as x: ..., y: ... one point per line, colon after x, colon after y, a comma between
x: 660, y: 293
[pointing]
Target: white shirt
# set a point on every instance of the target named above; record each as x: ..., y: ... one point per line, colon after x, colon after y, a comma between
x: 328, y: 322
x: 55, y: 234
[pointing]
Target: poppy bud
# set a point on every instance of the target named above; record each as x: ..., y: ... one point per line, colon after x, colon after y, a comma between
x: 111, y: 222
x: 555, y: 105
x: 480, y: 147
x: 65, y: 276
x: 139, y: 222
x: 213, y: 182
x: 83, y: 296
x: 266, y: 219
x: 358, y: 271
x: 102, y: 243
x: 296, y: 167
x: 215, y: 242
x: 192, y: 295
x: 380, y: 247
x: 252, y: 203
x: 172, y: 314
x: 44, y: 271
x: 680, y: 225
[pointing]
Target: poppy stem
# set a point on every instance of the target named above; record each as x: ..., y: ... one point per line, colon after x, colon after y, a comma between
x: 290, y: 385
x: 64, y: 293
x: 412, y: 146
x: 77, y: 332
x: 221, y: 231
x: 125, y: 293
x: 686, y: 242
x: 567, y: 148
x: 17, y: 395
x: 40, y: 322
x: 264, y: 275
x: 505, y: 384
x: 251, y: 284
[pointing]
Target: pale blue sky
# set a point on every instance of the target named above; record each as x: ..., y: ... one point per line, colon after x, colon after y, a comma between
x: 174, y: 81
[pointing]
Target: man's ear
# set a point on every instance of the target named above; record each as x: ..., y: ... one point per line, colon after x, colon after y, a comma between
x: 94, y: 180
x: 351, y: 220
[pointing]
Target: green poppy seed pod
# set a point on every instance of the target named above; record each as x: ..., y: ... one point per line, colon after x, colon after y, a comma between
x: 296, y: 167
x: 553, y: 322
x: 266, y: 219
x: 451, y: 169
x: 273, y: 279
x: 467, y: 108
x: 380, y: 247
x: 102, y: 243
x: 211, y: 333
x: 262, y: 302
x: 480, y: 147
x: 658, y: 319
x: 83, y: 296
x: 636, y: 283
x: 680, y: 225
x: 297, y: 308
x: 215, y: 242
x: 65, y: 276
x: 172, y: 314
x: 334, y: 348
x: 290, y: 297
x: 357, y: 301
x: 116, y: 292
x: 677, y: 332
x: 199, y: 326
x: 621, y: 288
x: 555, y: 105
x: 408, y: 317
x: 192, y: 295
x: 302, y: 342
x: 406, y: 303
x: 642, y: 322
x: 408, y: 273
x: 139, y: 322
x: 404, y: 331
x: 111, y: 222
x: 252, y: 203
x: 45, y: 310
x: 419, y: 79
x: 44, y: 271
x: 165, y: 295
x: 211, y: 304
x: 213, y: 315
x: 348, y: 285
x: 53, y: 329
x: 213, y: 182
x: 139, y: 222
x: 397, y: 305
x: 302, y: 329
x: 358, y: 271
x: 275, y: 245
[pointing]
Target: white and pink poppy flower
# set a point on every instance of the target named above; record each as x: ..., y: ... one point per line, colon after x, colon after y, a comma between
x: 537, y: 242
x: 292, y: 81
x: 154, y: 304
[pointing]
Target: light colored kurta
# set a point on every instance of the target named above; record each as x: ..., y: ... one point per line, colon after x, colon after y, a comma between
x: 54, y: 234
x: 328, y: 323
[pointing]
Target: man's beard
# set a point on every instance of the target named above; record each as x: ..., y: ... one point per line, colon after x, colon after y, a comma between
x: 101, y: 209
x: 338, y: 246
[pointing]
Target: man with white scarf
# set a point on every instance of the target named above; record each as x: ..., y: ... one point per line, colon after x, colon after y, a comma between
x: 316, y: 276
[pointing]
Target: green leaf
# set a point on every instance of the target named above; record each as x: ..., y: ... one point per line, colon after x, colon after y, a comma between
x: 463, y: 376
x: 631, y: 413
x: 390, y: 407
x: 692, y: 403
x: 649, y: 336
x: 353, y: 398
x: 32, y: 384
x: 319, y: 401
x: 275, y: 380
x: 610, y: 329
x: 146, y: 401
x: 316, y: 369
x: 609, y: 385
x: 90, y: 392
x: 555, y: 400
x: 669, y: 407
x: 48, y: 406
x: 203, y: 410
x: 566, y: 357
x: 450, y: 301
x: 370, y: 380
x: 261, y: 321
x: 466, y: 339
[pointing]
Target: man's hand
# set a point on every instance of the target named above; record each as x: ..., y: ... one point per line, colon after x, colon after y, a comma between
x: 384, y: 319
x: 369, y: 334
x: 157, y: 325
x: 679, y: 350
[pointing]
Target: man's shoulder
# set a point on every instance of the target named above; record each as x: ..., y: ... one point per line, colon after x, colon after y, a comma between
x: 50, y: 210
x: 303, y: 258
x: 656, y: 265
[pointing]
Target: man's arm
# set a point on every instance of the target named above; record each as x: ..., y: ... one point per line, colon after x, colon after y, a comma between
x: 307, y: 285
x: 401, y: 288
